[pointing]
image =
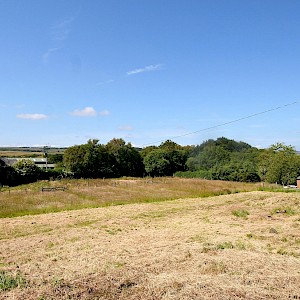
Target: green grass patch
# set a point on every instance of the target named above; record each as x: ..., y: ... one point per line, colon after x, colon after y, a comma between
x: 225, y: 245
x: 240, y: 213
x: 288, y: 211
x: 8, y: 281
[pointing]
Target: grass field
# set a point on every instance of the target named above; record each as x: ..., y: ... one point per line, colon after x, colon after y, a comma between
x: 29, y: 199
x: 237, y: 246
x: 20, y: 154
x: 28, y: 151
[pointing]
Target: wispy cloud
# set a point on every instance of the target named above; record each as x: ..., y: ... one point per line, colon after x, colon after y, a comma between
x: 105, y: 82
x: 126, y: 128
x: 150, y: 68
x: 104, y: 113
x: 32, y: 116
x: 19, y: 106
x: 48, y: 53
x: 86, y: 112
x: 257, y: 126
x: 59, y: 33
x: 60, y: 30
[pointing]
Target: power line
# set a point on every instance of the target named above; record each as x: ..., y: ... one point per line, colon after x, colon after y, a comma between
x: 226, y: 123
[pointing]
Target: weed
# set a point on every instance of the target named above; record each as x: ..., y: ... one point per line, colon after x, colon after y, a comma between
x: 214, y: 268
x: 74, y: 239
x: 50, y: 245
x: 113, y: 231
x: 198, y: 238
x: 225, y: 245
x: 241, y: 213
x: 85, y: 223
x: 113, y: 265
x: 207, y: 248
x: 282, y: 251
x: 240, y: 245
x: 284, y: 210
x: 270, y: 248
x: 8, y: 281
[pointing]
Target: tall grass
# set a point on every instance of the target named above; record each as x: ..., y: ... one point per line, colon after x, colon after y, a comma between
x: 29, y: 199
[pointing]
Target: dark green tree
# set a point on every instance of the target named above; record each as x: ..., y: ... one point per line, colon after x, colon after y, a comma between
x: 27, y: 171
x: 89, y: 160
x: 166, y: 159
x: 157, y: 164
x: 8, y: 175
x: 283, y: 164
x: 128, y: 161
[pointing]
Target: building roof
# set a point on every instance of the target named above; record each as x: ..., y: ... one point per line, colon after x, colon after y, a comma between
x: 40, y: 162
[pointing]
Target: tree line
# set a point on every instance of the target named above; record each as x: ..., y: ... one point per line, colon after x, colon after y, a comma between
x: 220, y: 159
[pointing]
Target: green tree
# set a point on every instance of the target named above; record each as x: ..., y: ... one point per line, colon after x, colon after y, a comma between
x: 128, y: 161
x: 89, y: 160
x: 157, y: 164
x: 224, y: 159
x: 8, y: 175
x: 283, y: 164
x: 55, y: 158
x: 166, y: 159
x: 27, y: 171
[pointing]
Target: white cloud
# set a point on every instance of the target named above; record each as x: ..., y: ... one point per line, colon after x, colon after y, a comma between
x: 104, y: 113
x: 86, y: 112
x: 150, y: 68
x: 32, y: 116
x: 126, y: 128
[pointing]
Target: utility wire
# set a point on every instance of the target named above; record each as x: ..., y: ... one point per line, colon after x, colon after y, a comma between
x: 229, y: 122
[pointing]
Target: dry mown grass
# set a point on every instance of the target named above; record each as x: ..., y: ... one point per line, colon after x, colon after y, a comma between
x: 80, y: 194
x: 182, y: 249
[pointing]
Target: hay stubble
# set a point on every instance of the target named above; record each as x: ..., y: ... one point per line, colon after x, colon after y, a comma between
x: 165, y: 250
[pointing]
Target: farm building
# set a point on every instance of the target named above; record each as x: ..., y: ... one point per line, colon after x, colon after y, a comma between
x: 39, y: 162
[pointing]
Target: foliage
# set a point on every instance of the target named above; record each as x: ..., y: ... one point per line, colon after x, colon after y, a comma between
x: 89, y: 160
x: 223, y: 159
x: 194, y: 174
x: 27, y: 171
x: 220, y: 159
x: 283, y: 164
x: 55, y: 158
x: 128, y: 161
x: 165, y: 160
x: 8, y: 175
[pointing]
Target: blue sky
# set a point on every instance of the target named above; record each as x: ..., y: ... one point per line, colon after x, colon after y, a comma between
x: 147, y: 71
